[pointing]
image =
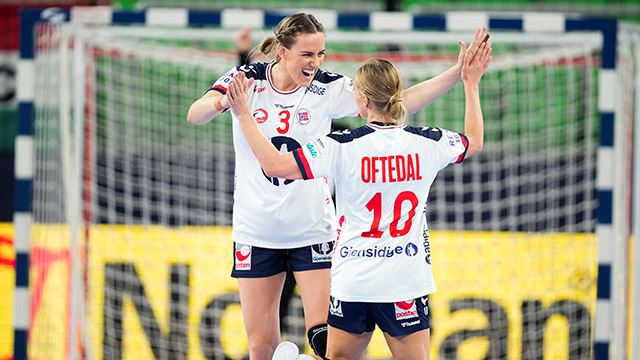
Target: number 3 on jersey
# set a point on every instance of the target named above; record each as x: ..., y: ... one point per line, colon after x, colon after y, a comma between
x: 284, y: 115
x: 375, y: 205
x: 284, y: 144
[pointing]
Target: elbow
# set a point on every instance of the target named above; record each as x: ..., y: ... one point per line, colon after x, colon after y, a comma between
x: 475, y: 147
x: 278, y: 167
x: 196, y: 115
x: 191, y: 116
x: 272, y: 170
x: 269, y: 170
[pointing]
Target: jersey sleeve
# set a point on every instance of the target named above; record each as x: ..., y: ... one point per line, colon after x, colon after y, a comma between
x: 222, y: 84
x: 343, y: 102
x: 318, y: 158
x: 452, y: 147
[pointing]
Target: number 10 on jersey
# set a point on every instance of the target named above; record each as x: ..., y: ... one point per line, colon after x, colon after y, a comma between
x: 375, y: 206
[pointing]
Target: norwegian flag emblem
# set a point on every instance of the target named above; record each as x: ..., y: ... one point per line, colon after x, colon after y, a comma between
x: 303, y: 117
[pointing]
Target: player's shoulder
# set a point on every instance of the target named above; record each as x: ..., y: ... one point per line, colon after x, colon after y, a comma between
x: 257, y: 71
x: 345, y: 136
x: 431, y: 133
x: 327, y: 77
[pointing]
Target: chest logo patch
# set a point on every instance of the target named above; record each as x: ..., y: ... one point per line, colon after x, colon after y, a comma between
x: 304, y: 116
x: 260, y: 115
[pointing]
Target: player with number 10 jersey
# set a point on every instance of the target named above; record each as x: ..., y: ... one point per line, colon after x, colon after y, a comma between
x: 383, y: 252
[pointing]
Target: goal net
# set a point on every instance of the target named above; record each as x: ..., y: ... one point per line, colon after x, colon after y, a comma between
x: 131, y: 247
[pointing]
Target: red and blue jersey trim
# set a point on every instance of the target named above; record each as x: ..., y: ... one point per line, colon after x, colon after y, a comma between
x: 219, y: 88
x: 303, y: 164
x: 465, y: 143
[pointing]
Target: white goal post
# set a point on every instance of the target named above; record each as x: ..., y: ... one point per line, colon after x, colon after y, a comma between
x: 530, y: 238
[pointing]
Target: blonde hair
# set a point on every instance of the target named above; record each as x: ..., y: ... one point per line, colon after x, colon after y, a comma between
x: 286, y: 32
x: 380, y: 81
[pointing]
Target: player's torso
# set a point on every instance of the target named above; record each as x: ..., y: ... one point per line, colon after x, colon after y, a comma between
x: 381, y: 196
x: 279, y: 212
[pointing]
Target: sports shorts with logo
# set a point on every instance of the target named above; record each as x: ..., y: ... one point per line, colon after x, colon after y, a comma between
x: 255, y: 262
x: 395, y: 318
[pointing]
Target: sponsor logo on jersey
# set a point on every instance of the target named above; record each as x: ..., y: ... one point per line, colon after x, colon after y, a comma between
x: 260, y: 115
x: 321, y: 252
x: 280, y: 106
x: 318, y: 90
x: 379, y: 252
x: 303, y: 116
x: 312, y: 150
x: 411, y: 249
x: 426, y: 245
x: 406, y: 310
x: 335, y: 307
x: 257, y: 89
x: 243, y: 257
x: 453, y: 139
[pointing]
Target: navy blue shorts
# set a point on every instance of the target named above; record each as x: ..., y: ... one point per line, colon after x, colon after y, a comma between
x: 256, y: 262
x: 396, y: 318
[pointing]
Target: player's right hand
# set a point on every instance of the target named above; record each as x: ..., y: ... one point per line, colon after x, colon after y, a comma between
x: 237, y: 94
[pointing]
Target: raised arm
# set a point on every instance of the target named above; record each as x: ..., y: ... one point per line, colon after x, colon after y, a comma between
x: 273, y: 162
x: 475, y: 63
x: 422, y: 94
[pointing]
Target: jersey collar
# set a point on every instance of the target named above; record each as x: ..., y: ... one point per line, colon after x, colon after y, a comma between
x: 269, y: 67
x: 386, y: 127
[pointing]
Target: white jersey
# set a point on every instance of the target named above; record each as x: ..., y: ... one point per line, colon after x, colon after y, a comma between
x: 383, y: 175
x: 279, y: 213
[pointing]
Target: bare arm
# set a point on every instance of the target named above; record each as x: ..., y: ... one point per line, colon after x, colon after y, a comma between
x: 273, y: 162
x: 207, y: 107
x: 474, y: 66
x: 422, y: 94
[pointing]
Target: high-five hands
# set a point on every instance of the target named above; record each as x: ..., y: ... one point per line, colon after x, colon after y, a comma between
x: 476, y: 58
x: 481, y: 35
x: 237, y: 94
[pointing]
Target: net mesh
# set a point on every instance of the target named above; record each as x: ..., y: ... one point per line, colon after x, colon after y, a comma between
x: 513, y: 228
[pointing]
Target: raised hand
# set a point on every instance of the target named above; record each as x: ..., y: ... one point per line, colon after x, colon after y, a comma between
x: 237, y: 94
x: 481, y: 35
x: 476, y: 59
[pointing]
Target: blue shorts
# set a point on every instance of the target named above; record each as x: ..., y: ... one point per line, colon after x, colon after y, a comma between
x: 396, y: 318
x: 256, y: 262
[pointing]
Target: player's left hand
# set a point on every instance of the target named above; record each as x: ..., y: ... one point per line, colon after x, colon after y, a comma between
x: 237, y: 94
x: 475, y: 62
x: 480, y: 36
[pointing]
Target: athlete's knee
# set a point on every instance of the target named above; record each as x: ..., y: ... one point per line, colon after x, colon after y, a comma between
x: 317, y: 336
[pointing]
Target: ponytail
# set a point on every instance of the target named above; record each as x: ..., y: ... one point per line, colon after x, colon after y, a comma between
x: 394, y: 107
x: 268, y: 46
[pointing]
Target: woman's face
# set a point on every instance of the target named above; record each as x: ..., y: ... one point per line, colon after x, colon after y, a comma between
x: 304, y: 58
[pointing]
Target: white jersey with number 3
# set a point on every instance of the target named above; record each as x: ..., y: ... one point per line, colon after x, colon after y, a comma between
x: 278, y: 213
x: 383, y: 175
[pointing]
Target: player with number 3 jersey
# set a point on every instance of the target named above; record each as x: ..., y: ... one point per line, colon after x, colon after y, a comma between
x: 381, y: 272
x: 265, y: 206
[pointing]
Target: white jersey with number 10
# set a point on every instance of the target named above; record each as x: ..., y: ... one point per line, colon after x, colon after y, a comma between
x: 278, y: 213
x: 383, y: 175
